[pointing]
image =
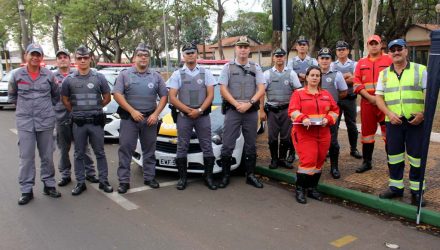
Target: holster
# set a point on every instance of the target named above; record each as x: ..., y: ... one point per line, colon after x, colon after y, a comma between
x: 123, y: 114
x: 99, y: 120
x: 79, y: 121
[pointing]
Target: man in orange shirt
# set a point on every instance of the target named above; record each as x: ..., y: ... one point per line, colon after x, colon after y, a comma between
x: 364, y: 83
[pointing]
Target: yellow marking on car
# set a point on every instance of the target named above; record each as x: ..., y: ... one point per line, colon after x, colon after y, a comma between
x: 347, y: 239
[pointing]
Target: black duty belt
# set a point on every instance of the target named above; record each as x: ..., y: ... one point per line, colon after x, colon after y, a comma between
x: 275, y: 109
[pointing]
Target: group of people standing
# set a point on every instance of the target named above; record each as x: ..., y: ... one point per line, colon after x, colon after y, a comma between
x: 310, y: 94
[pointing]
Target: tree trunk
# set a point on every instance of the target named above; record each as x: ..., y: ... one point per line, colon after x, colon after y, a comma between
x: 55, y: 33
x: 369, y: 17
x: 220, y: 14
x: 23, y: 26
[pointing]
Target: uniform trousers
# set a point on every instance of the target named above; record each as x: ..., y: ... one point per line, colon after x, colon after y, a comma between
x: 347, y: 107
x: 202, y: 126
x: 236, y: 122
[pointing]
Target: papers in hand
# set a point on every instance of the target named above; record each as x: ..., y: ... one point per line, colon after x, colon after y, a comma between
x: 313, y: 121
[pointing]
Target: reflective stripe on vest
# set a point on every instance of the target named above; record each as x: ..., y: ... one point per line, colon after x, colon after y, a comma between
x: 328, y: 83
x: 280, y: 87
x: 141, y: 92
x: 192, y: 92
x: 242, y: 86
x: 86, y: 94
x: 404, y: 96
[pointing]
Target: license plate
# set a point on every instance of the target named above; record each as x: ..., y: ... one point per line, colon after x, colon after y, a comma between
x: 167, y: 162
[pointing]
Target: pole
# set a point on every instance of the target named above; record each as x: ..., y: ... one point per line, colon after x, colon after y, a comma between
x: 431, y: 98
x: 284, y: 21
x: 166, y: 40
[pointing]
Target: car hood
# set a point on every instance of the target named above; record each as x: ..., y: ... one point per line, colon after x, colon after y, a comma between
x: 3, y: 85
x: 168, y: 127
x: 111, y: 107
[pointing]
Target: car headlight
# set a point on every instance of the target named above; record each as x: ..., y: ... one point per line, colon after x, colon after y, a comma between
x: 116, y: 115
x: 217, y: 139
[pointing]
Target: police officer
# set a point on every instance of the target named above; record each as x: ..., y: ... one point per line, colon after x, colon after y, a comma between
x: 84, y: 94
x: 280, y: 84
x: 64, y: 136
x: 400, y: 95
x: 242, y: 86
x: 34, y: 91
x: 192, y: 92
x: 347, y: 105
x: 136, y: 91
x: 333, y: 82
x: 300, y: 63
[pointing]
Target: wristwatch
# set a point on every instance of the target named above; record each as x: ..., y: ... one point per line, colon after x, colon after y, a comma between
x: 200, y: 111
x: 251, y: 101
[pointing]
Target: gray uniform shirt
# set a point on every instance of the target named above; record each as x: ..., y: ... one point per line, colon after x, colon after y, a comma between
x: 34, y: 99
x: 339, y: 82
x: 295, y: 83
x: 224, y: 75
x: 123, y: 81
x: 300, y: 66
x: 175, y: 80
x: 61, y: 112
x: 103, y: 86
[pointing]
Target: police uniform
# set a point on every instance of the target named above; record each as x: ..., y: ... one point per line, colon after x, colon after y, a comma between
x: 64, y: 136
x: 141, y: 91
x: 241, y: 82
x: 279, y: 88
x: 333, y: 82
x: 299, y: 65
x: 85, y: 94
x: 347, y: 105
x: 192, y: 92
x: 35, y: 121
x: 403, y: 95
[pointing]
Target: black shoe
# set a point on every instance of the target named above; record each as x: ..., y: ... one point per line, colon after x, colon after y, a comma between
x: 105, y: 186
x: 273, y: 164
x: 314, y: 194
x: 25, y: 198
x: 335, y: 173
x: 415, y: 200
x: 252, y: 180
x: 226, y: 169
x: 152, y: 183
x: 123, y: 187
x: 52, y: 192
x: 92, y: 179
x: 64, y: 181
x: 181, y: 184
x: 388, y: 194
x: 355, y: 153
x: 79, y: 188
x: 291, y: 158
x: 285, y: 164
x: 364, y: 167
x: 300, y: 195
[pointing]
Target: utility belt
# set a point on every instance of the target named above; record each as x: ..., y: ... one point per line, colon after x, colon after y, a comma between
x: 226, y: 106
x: 275, y: 109
x: 350, y: 97
x: 175, y: 112
x: 124, y: 115
x: 95, y: 120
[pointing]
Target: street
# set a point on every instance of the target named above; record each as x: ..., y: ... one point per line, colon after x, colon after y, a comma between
x: 238, y: 217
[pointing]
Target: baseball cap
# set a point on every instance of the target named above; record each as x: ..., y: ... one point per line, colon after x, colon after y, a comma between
x: 397, y: 42
x: 302, y: 39
x: 242, y: 41
x: 189, y: 48
x: 280, y: 51
x: 82, y: 51
x: 342, y: 45
x: 325, y: 52
x: 62, y: 51
x: 374, y: 38
x: 34, y: 47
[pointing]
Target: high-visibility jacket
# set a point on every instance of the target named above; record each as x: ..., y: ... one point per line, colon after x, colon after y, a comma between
x: 405, y: 96
x: 367, y: 72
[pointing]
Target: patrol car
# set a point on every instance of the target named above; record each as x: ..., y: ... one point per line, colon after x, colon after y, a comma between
x: 4, y: 91
x: 112, y: 119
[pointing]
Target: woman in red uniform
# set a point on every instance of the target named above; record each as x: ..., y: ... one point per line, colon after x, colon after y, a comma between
x: 312, y: 111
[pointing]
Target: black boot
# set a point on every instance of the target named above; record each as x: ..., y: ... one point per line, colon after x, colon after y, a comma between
x: 300, y: 191
x: 415, y: 200
x: 182, y: 166
x: 250, y: 162
x: 334, y: 168
x: 273, y: 148
x: 312, y: 191
x: 284, y: 146
x: 209, y: 165
x: 226, y: 169
x: 291, y: 157
x: 367, y: 154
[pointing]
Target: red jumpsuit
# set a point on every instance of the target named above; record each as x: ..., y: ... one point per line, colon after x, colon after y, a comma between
x: 312, y: 144
x: 365, y: 77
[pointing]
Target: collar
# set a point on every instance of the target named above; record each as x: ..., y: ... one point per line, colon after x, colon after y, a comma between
x: 137, y: 72
x: 408, y: 64
x: 274, y: 69
x: 305, y: 59
x: 197, y: 67
x: 306, y: 89
x: 349, y: 61
x: 246, y: 65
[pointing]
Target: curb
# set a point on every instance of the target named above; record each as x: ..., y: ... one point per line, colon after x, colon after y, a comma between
x: 372, y: 201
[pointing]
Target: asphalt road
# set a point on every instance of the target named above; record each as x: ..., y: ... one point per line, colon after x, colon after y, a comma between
x: 239, y: 217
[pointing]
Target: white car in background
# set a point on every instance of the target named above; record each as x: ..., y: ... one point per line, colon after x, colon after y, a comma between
x: 112, y: 119
x: 4, y: 90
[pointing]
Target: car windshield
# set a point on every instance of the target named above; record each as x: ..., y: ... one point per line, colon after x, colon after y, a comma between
x: 110, y: 76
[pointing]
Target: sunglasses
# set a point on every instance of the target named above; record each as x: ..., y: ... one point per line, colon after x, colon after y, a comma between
x: 190, y: 53
x: 396, y: 49
x: 143, y: 54
x: 80, y: 58
x: 279, y: 56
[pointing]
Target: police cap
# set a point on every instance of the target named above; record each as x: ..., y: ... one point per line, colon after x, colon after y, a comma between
x: 302, y: 39
x: 242, y: 41
x: 279, y: 51
x: 189, y: 48
x: 82, y: 51
x: 325, y: 52
x: 342, y: 45
x: 142, y: 47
